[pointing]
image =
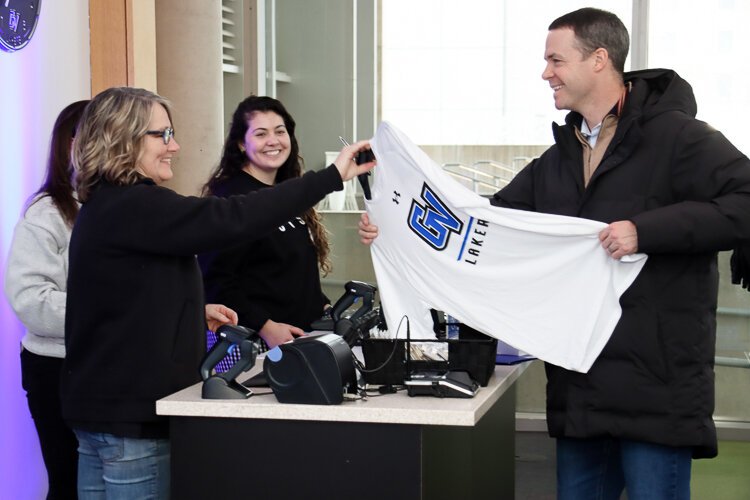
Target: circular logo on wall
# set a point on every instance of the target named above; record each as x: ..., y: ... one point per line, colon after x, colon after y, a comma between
x: 18, y: 20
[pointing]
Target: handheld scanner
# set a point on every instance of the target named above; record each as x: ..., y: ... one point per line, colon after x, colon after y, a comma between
x: 227, y: 336
x: 248, y: 354
x: 354, y: 291
x: 235, y: 333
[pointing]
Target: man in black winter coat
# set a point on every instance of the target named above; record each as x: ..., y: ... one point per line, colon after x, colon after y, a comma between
x: 632, y: 154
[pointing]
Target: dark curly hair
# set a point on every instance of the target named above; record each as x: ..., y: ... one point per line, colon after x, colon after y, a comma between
x: 233, y: 160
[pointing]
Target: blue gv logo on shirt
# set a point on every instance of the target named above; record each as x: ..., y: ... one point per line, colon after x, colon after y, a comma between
x: 433, y: 222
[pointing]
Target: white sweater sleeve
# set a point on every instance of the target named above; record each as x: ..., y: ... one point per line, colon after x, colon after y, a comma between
x: 35, y: 281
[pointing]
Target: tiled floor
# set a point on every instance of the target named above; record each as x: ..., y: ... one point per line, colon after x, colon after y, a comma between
x: 726, y: 477
x: 535, y: 466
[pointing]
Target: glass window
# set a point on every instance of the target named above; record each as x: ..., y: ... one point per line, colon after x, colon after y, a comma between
x: 705, y: 44
x: 468, y: 72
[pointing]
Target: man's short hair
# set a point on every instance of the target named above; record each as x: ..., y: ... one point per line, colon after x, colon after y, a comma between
x: 596, y: 28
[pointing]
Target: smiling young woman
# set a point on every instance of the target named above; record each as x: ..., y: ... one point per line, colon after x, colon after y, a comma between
x: 273, y: 283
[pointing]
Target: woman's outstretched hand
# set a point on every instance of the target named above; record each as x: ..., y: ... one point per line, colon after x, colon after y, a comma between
x: 346, y: 164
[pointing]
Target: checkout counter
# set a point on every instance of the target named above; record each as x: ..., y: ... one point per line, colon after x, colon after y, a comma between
x: 385, y: 447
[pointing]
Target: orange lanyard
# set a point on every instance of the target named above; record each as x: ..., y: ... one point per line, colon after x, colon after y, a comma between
x: 621, y: 102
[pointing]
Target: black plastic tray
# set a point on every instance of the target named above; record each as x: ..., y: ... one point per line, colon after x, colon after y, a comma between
x: 472, y: 351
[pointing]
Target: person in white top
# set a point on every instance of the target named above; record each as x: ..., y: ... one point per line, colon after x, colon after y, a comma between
x: 35, y: 284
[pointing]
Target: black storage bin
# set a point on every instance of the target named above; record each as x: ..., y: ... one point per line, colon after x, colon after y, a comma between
x: 473, y: 352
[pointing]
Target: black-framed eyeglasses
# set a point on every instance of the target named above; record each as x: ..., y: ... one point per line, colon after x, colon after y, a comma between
x: 165, y: 134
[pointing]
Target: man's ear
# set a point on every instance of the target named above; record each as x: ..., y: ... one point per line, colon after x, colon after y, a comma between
x: 601, y: 58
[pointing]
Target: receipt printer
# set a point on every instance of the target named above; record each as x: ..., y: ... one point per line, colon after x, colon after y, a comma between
x: 316, y: 369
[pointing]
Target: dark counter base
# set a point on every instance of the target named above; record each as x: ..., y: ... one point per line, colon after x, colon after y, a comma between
x: 287, y: 459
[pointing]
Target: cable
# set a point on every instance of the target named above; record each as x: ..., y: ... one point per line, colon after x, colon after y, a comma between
x: 362, y: 390
x: 393, y: 351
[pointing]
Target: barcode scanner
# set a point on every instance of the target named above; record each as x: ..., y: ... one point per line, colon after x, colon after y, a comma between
x: 364, y: 318
x: 224, y: 385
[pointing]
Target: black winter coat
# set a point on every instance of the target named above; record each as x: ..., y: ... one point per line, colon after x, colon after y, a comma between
x: 135, y: 323
x: 687, y: 190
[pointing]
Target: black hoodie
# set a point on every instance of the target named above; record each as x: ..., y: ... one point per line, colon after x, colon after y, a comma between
x: 275, y: 277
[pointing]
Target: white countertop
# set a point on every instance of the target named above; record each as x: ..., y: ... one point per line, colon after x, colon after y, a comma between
x: 397, y: 408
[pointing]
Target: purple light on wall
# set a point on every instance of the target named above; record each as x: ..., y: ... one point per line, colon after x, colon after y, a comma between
x: 22, y: 152
x: 37, y: 82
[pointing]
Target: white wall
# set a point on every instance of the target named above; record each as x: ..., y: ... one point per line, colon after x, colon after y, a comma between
x: 36, y: 82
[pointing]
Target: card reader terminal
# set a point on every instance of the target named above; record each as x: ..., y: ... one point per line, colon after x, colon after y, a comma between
x: 441, y: 384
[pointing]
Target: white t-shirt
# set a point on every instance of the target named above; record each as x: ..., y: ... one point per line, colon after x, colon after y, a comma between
x: 539, y: 282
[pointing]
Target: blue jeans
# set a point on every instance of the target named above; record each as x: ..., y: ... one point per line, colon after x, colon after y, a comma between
x: 602, y: 468
x: 118, y: 468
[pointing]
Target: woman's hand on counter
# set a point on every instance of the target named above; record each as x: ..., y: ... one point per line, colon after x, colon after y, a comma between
x: 278, y: 333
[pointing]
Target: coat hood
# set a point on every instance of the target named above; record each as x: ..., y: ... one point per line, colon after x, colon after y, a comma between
x: 661, y: 90
x: 654, y: 91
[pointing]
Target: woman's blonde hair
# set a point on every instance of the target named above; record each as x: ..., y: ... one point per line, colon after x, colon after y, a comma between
x: 109, y: 140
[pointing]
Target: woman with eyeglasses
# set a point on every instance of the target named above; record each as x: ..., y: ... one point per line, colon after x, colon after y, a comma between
x: 35, y: 284
x: 135, y: 326
x: 273, y: 283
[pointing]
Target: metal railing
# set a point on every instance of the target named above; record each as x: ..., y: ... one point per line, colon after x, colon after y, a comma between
x: 482, y: 177
x: 485, y: 177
